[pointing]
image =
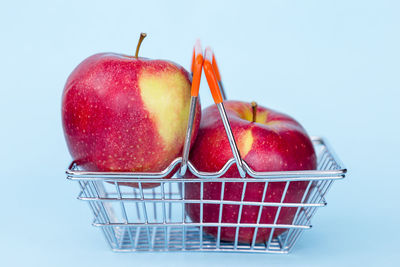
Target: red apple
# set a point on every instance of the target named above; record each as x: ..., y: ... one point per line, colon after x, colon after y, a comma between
x: 272, y: 142
x: 126, y: 113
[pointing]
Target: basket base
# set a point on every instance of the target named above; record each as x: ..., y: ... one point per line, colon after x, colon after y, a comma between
x: 181, y: 238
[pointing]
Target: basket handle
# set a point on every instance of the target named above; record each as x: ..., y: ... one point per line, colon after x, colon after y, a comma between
x: 196, y: 68
x: 197, y: 65
x: 211, y: 76
x: 212, y: 80
x: 218, y: 76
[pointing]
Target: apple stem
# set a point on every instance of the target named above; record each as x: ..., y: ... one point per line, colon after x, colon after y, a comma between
x: 142, y: 36
x: 254, y: 107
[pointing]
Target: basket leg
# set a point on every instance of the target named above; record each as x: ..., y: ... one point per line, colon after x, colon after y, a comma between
x: 146, y: 218
x: 96, y: 211
x: 290, y: 231
x: 220, y: 216
x: 124, y: 214
x: 259, y: 216
x: 164, y: 212
x: 239, y: 216
x: 277, y: 216
x: 182, y: 189
x: 201, y: 214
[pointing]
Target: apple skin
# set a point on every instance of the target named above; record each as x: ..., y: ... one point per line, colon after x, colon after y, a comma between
x: 275, y: 142
x: 126, y: 114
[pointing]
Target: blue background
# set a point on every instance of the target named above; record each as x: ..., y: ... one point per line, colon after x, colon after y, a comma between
x: 333, y: 65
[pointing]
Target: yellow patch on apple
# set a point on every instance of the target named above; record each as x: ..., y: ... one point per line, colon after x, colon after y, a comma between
x: 246, y: 141
x: 171, y: 111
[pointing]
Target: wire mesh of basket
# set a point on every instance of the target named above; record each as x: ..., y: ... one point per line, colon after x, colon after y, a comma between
x: 156, y: 219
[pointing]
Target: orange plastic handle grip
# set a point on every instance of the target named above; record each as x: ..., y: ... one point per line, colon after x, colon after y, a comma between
x: 216, y: 69
x: 211, y: 76
x: 193, y: 57
x: 197, y: 64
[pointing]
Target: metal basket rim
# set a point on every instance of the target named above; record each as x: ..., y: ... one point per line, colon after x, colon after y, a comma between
x: 339, y: 173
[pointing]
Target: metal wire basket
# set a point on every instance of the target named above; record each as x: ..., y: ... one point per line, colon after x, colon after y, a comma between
x: 154, y: 219
x: 157, y: 219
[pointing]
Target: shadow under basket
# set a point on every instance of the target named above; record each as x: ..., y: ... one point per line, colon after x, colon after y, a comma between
x: 155, y: 219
